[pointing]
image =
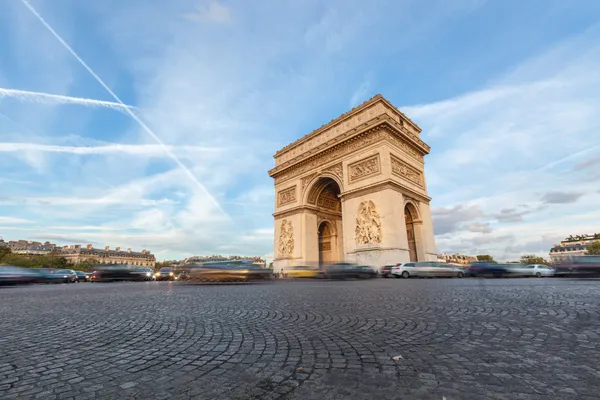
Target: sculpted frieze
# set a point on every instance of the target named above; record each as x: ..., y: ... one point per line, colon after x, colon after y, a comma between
x: 287, y: 196
x: 407, y: 171
x: 364, y: 168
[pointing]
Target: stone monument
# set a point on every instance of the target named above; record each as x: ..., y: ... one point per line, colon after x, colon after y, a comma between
x: 354, y: 190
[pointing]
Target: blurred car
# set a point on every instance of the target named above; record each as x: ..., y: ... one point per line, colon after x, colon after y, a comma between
x: 11, y: 275
x: 165, y: 274
x: 224, y: 272
x: 427, y: 269
x: 487, y: 269
x: 302, y: 272
x: 344, y: 270
x: 386, y: 271
x: 537, y: 270
x: 46, y: 275
x: 144, y: 274
x: 112, y: 273
x: 364, y: 272
x: 582, y: 266
x: 67, y: 275
x: 82, y: 276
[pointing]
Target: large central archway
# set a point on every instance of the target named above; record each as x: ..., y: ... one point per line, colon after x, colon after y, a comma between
x: 324, y: 196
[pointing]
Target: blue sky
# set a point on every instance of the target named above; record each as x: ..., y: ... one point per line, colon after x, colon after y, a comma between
x: 507, y: 94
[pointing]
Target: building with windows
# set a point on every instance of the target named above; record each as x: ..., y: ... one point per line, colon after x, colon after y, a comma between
x: 572, y: 246
x: 456, y: 258
x: 31, y: 248
x: 76, y: 254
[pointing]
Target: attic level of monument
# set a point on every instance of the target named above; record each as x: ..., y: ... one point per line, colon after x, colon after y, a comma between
x: 374, y: 111
x: 354, y: 190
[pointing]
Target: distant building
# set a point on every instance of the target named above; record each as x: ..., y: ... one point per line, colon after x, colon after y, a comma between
x: 455, y: 258
x: 76, y: 254
x: 31, y: 248
x: 572, y: 246
x: 201, y: 259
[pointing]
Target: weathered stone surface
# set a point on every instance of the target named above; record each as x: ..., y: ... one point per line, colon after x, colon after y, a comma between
x: 458, y: 339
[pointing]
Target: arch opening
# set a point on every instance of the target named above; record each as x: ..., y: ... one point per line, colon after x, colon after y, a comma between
x: 410, y: 218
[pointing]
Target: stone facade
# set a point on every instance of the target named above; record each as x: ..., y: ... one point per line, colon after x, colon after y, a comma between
x: 76, y: 254
x: 354, y: 190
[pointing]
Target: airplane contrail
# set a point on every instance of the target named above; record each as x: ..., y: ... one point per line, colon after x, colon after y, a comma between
x: 127, y: 110
x: 47, y: 98
x: 132, y: 149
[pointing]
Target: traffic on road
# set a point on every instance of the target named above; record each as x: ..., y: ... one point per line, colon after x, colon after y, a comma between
x: 245, y: 271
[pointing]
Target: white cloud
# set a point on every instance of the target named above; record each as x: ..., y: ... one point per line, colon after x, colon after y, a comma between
x: 131, y: 149
x: 47, y: 98
x: 210, y: 10
x: 13, y: 220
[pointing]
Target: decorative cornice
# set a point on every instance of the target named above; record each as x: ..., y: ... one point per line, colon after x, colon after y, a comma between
x: 307, y: 208
x: 353, y: 111
x: 380, y: 123
x: 386, y: 184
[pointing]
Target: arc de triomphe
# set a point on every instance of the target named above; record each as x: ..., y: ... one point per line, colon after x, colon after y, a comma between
x: 354, y: 190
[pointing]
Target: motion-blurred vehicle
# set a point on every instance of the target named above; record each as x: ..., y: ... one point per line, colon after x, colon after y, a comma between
x: 427, y: 269
x: 302, y: 272
x: 582, y: 266
x: 386, y: 271
x: 144, y: 274
x: 488, y: 269
x: 46, y: 275
x: 165, y: 274
x: 11, y: 275
x: 112, y: 273
x: 537, y: 270
x: 82, y: 276
x: 67, y: 275
x: 344, y: 270
x: 224, y: 272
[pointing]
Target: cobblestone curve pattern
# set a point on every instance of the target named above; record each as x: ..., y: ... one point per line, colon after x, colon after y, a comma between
x: 452, y: 339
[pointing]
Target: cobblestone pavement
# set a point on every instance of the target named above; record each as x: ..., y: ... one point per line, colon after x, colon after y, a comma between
x: 384, y: 338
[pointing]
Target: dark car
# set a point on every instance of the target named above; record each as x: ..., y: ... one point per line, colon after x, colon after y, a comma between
x: 165, y: 274
x: 144, y: 274
x: 82, y: 276
x: 344, y: 270
x: 67, y: 275
x: 112, y: 273
x: 582, y: 266
x: 46, y: 275
x: 386, y: 271
x: 11, y: 275
x: 488, y: 269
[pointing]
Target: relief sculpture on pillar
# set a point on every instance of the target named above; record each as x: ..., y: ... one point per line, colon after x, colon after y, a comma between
x: 368, y: 224
x: 286, y: 239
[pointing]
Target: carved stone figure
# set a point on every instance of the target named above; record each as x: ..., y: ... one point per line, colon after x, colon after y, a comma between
x: 368, y: 224
x: 336, y: 170
x: 286, y: 239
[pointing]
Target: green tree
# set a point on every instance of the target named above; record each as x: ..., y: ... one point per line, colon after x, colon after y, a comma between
x: 532, y: 259
x: 4, y: 251
x: 593, y: 249
x: 485, y: 257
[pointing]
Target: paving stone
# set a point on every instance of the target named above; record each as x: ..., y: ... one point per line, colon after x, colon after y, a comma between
x: 459, y: 339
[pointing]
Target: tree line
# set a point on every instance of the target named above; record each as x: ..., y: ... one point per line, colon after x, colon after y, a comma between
x: 52, y: 260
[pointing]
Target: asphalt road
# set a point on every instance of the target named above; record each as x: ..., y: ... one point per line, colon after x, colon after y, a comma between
x: 384, y: 338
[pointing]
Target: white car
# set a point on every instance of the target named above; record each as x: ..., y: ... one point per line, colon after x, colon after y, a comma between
x: 426, y: 269
x: 539, y: 270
